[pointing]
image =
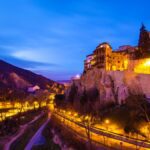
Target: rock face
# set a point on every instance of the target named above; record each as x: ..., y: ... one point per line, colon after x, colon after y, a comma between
x: 114, y: 86
x: 111, y: 86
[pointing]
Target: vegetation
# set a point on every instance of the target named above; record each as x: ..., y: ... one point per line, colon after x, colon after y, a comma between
x: 66, y: 137
x: 128, y: 116
x: 84, y: 103
x: 131, y: 115
x: 88, y: 122
x: 71, y: 140
x: 60, y: 100
x: 21, y: 142
x: 10, y: 125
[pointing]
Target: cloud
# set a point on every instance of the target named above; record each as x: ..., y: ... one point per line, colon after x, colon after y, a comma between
x: 33, y: 65
x: 56, y: 36
x: 57, y: 75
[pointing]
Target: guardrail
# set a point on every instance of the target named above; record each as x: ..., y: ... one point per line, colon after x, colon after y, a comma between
x: 110, y: 134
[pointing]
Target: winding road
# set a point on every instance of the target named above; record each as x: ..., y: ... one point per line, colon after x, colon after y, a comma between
x: 19, y: 133
x: 36, y: 139
x: 114, y: 138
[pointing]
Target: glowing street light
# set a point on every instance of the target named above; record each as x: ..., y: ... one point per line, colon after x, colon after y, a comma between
x: 76, y: 114
x: 87, y: 117
x: 147, y: 63
x: 107, y: 121
x: 69, y: 112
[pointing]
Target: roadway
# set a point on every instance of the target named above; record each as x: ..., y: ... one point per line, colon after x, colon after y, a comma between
x: 101, y: 135
x: 36, y: 139
x: 19, y: 133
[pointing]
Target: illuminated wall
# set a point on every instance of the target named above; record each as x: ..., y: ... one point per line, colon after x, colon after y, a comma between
x: 89, y: 62
x: 119, y: 61
x: 103, y: 57
x: 141, y: 66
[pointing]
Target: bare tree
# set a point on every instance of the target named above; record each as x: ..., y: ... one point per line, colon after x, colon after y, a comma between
x: 88, y: 122
x: 41, y: 97
x: 140, y: 107
x: 143, y: 106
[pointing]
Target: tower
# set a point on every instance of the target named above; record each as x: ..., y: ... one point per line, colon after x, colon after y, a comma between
x: 144, y: 40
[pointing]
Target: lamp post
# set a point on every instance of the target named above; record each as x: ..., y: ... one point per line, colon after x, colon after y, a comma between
x: 107, y: 123
x: 121, y: 145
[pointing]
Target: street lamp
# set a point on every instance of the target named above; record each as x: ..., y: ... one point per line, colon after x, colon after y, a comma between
x: 107, y: 123
x: 76, y: 114
x: 69, y: 113
x: 86, y: 117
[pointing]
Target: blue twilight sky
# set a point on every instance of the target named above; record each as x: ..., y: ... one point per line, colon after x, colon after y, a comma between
x: 53, y: 37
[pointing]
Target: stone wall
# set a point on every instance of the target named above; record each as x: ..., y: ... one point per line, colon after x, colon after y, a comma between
x: 140, y: 66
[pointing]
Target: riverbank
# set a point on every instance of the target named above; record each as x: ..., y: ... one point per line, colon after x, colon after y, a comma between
x: 58, y: 137
x: 29, y: 131
x: 38, y: 138
x: 11, y: 127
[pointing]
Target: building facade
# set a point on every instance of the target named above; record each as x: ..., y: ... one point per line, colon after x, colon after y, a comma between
x: 126, y: 57
x: 89, y: 62
x: 102, y: 56
x: 119, y: 60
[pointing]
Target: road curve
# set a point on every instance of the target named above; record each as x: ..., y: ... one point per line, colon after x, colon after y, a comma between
x: 109, y: 134
x: 20, y: 132
x: 36, y: 136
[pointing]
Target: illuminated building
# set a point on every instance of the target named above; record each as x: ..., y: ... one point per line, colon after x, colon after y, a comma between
x: 33, y: 88
x: 127, y: 57
x: 119, y: 60
x: 89, y: 62
x: 142, y: 66
x: 102, y: 56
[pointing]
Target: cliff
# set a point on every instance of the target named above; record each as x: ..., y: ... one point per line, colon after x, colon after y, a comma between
x: 113, y: 86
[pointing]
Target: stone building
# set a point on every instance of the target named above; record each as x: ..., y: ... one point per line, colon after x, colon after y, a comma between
x: 119, y: 60
x: 102, y: 56
x: 89, y: 62
x: 126, y: 57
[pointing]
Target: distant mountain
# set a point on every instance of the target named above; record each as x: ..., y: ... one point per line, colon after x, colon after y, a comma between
x: 64, y: 81
x: 13, y: 78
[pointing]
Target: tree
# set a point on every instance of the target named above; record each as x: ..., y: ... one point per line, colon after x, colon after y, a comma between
x: 88, y: 111
x: 41, y: 96
x: 139, y: 107
x: 72, y: 93
x: 88, y: 101
x: 83, y: 98
x: 60, y: 100
x: 88, y: 122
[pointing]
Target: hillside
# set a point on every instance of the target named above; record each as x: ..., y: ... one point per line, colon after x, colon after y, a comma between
x: 16, y: 81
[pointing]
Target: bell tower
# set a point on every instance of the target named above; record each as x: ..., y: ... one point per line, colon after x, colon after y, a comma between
x: 144, y: 40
